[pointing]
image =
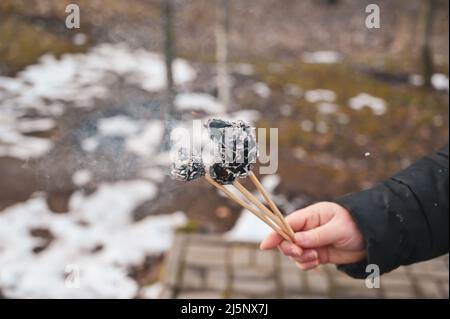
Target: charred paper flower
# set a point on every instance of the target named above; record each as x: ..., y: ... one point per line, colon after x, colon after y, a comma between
x: 235, y: 149
x: 235, y: 144
x: 187, y: 167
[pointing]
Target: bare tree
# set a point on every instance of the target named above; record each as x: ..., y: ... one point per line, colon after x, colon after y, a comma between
x: 169, y: 50
x: 222, y: 31
x: 167, y: 107
x: 426, y: 51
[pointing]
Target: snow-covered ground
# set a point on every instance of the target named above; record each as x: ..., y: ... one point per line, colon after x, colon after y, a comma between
x: 95, y: 243
x: 70, y: 267
x: 49, y: 86
x: 80, y: 78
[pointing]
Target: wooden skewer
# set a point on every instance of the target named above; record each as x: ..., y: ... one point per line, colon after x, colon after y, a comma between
x: 232, y: 196
x: 271, y: 203
x: 263, y: 208
x: 241, y: 202
x: 244, y: 204
x: 252, y: 198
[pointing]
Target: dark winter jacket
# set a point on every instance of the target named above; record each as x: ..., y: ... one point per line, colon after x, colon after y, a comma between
x: 404, y: 219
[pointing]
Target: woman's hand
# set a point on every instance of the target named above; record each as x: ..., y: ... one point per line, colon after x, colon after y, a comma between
x: 324, y: 233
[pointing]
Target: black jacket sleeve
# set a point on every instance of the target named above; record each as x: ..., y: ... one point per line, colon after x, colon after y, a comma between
x: 404, y: 219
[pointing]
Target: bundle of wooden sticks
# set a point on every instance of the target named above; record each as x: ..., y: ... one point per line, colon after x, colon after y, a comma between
x: 273, y: 218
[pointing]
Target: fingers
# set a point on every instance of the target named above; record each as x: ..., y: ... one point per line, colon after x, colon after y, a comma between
x: 291, y: 250
x: 271, y: 241
x: 304, y: 259
x: 297, y: 253
x: 296, y: 220
x: 308, y: 255
x: 312, y: 216
x: 308, y: 218
x: 335, y: 256
x: 310, y: 258
x: 318, y: 237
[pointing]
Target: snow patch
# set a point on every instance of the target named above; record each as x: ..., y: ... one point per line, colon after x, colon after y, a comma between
x: 198, y: 102
x: 262, y: 90
x: 153, y: 291
x: 248, y: 228
x: 322, y: 57
x: 440, y: 82
x: 119, y: 125
x: 81, y: 177
x: 362, y: 100
x: 14, y: 144
x: 119, y: 198
x: 270, y: 182
x: 79, y: 39
x: 36, y: 125
x: 327, y: 108
x: 320, y: 95
x: 147, y: 141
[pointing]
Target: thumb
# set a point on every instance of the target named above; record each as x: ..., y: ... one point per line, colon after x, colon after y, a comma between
x: 317, y: 237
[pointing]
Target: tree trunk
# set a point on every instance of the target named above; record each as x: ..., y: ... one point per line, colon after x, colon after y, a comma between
x: 222, y: 30
x: 427, y: 54
x: 167, y: 107
x: 169, y: 51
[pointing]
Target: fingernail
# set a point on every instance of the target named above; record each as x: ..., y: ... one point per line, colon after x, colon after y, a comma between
x: 285, y: 247
x: 296, y: 250
x: 313, y: 254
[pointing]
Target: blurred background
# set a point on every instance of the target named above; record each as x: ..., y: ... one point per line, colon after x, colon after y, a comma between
x: 87, y: 206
